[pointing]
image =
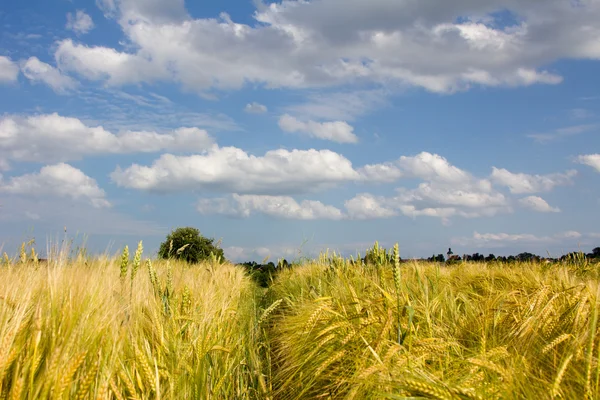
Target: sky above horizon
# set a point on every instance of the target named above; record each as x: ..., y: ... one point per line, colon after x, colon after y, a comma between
x: 286, y: 128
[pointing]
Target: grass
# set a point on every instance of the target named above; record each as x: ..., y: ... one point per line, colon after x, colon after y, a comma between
x: 426, y: 331
x: 112, y: 328
x: 78, y: 330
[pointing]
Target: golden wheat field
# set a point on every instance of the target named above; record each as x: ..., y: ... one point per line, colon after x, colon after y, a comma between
x: 133, y: 328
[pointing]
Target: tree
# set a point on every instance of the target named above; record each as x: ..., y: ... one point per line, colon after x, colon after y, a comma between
x: 188, y: 244
x: 475, y: 257
x: 596, y: 252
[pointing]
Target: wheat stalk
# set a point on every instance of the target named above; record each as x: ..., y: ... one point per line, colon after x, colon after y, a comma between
x: 559, y: 375
x: 124, y: 266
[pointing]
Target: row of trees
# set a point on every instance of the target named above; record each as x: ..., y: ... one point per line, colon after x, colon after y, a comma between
x: 521, y: 257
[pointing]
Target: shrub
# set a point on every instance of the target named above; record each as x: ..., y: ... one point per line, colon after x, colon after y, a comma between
x: 188, y: 244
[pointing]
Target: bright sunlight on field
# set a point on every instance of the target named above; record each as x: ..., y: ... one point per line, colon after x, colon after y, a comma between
x: 117, y: 328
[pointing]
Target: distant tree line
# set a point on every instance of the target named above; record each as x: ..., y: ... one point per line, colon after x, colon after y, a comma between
x: 188, y: 244
x: 521, y: 257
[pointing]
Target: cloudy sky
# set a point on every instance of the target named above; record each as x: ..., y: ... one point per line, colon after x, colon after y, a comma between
x: 284, y: 128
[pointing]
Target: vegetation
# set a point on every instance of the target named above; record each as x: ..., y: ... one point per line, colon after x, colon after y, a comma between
x: 189, y: 245
x: 335, y: 328
x: 120, y: 328
x: 474, y: 330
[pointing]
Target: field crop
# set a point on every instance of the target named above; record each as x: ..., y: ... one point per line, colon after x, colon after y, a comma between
x: 84, y: 329
x: 129, y: 327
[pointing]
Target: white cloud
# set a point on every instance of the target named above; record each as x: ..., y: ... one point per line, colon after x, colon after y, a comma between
x: 275, y: 206
x: 157, y: 11
x: 367, y: 206
x: 9, y: 71
x: 56, y: 212
x: 568, y: 235
x: 563, y: 133
x: 447, y: 191
x: 387, y: 172
x: 118, y: 110
x: 98, y: 63
x: 60, y: 180
x: 344, y: 105
x: 324, y: 43
x: 580, y: 113
x: 255, y: 108
x: 51, y: 138
x: 433, y: 167
x: 37, y: 71
x: 499, y: 240
x: 79, y: 22
x: 32, y: 216
x: 335, y: 131
x: 536, y: 203
x: 271, y: 253
x: 471, y: 196
x: 524, y: 183
x: 592, y: 160
x: 424, y: 165
x: 416, y: 203
x: 232, y: 170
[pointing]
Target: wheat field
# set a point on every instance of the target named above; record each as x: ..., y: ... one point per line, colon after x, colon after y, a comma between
x: 84, y: 329
x: 133, y: 328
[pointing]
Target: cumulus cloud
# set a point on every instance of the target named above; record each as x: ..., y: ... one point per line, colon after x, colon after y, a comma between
x: 42, y: 138
x: 367, y: 206
x: 59, y: 180
x: 386, y: 172
x: 156, y: 11
x: 592, y: 160
x: 448, y: 191
x: 261, y: 183
x: 536, y: 203
x: 420, y: 203
x: 79, y: 22
x: 275, y: 206
x: 433, y: 167
x: 255, y: 108
x: 9, y: 71
x: 424, y: 165
x: 474, y: 195
x: 300, y: 44
x: 38, y: 71
x: 335, y: 131
x: 232, y: 170
x: 519, y: 183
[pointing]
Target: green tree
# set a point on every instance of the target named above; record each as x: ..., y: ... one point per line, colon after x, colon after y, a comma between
x: 188, y: 244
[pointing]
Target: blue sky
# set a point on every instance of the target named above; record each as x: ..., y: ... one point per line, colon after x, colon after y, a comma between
x: 296, y: 126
